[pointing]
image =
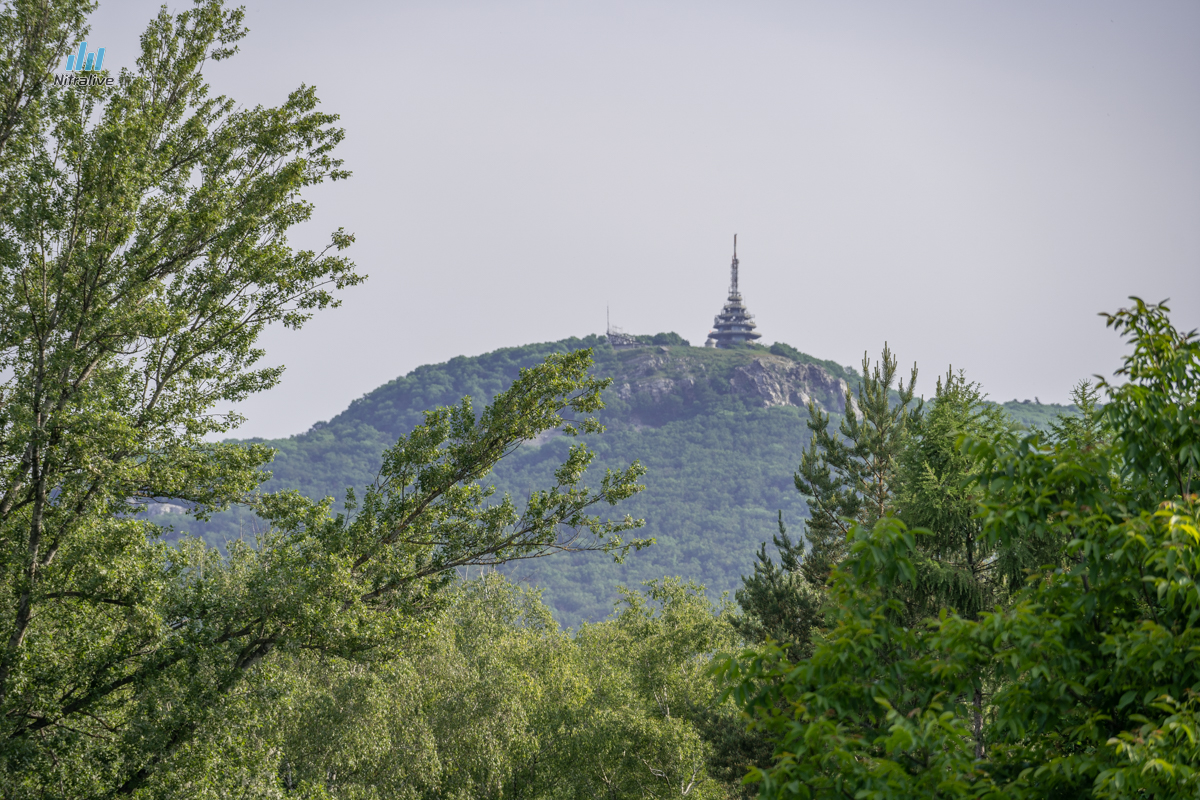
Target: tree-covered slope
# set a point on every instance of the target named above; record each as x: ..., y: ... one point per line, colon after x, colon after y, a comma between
x: 720, y: 432
x: 714, y: 485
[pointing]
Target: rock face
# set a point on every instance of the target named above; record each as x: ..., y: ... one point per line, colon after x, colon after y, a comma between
x: 761, y: 379
x: 775, y: 381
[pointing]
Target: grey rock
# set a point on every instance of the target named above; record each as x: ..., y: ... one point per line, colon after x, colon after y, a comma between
x: 775, y: 381
x: 767, y: 381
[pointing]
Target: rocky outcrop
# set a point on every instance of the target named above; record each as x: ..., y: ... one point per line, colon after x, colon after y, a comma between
x: 657, y: 376
x: 764, y: 380
x: 775, y: 381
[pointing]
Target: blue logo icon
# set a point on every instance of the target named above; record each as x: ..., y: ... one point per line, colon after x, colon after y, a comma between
x: 75, y: 62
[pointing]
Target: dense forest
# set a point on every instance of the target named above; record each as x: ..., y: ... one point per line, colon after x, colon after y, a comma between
x: 959, y: 599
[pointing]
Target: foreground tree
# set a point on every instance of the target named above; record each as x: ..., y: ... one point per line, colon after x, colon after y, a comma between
x: 143, y: 249
x: 851, y: 476
x: 957, y: 567
x: 845, y: 476
x: 1097, y: 680
x: 778, y: 601
x: 492, y: 699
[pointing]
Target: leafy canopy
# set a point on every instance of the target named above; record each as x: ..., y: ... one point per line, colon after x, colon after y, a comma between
x: 1094, y: 660
x: 143, y: 249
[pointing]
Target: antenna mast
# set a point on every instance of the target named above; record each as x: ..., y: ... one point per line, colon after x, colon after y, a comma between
x: 733, y: 282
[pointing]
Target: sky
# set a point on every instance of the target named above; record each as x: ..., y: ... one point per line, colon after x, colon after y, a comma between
x: 972, y: 183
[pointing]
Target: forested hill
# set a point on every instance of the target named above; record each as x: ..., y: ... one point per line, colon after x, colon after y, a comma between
x: 720, y: 432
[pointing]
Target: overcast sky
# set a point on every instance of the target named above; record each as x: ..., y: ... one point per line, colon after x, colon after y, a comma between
x: 971, y: 182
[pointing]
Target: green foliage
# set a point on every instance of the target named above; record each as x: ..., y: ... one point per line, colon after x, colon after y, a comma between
x: 898, y: 460
x: 845, y: 476
x: 189, y: 625
x: 1088, y: 428
x: 957, y: 568
x: 143, y: 249
x: 671, y: 339
x: 1094, y: 659
x: 859, y: 715
x: 494, y: 700
x: 778, y: 601
x: 852, y: 475
x: 460, y: 713
x: 1160, y: 400
x: 640, y: 736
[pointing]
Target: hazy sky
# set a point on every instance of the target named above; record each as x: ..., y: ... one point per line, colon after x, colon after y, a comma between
x: 971, y: 182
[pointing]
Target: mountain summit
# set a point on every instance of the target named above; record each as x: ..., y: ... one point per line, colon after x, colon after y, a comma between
x: 720, y: 431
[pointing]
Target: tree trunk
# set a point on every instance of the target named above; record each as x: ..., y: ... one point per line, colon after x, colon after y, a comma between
x: 979, y: 723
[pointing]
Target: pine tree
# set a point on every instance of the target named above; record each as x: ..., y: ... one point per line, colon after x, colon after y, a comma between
x: 850, y: 477
x: 1090, y: 427
x: 779, y: 600
x: 958, y: 567
x: 846, y: 477
x: 937, y: 492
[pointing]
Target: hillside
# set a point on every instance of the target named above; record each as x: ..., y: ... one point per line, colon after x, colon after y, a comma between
x: 720, y: 432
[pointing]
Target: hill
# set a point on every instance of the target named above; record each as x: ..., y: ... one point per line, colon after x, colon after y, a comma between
x: 720, y: 432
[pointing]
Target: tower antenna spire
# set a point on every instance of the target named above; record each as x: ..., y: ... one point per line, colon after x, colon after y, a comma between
x: 733, y: 269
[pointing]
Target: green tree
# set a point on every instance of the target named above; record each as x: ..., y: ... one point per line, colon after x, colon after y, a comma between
x: 492, y: 699
x: 1159, y: 401
x: 851, y: 477
x: 143, y: 249
x: 957, y: 567
x: 1097, y: 682
x: 1090, y: 427
x: 650, y: 729
x: 460, y: 712
x: 778, y: 600
x: 845, y: 477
